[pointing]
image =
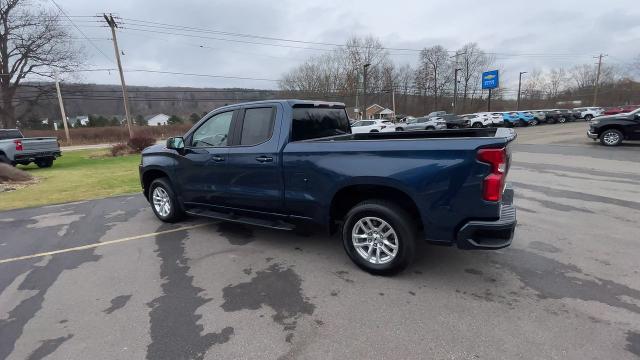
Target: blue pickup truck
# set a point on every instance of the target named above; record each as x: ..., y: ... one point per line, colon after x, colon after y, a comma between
x: 293, y: 163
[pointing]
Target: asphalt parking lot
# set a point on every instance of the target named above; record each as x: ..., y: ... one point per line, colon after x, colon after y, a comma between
x: 109, y: 281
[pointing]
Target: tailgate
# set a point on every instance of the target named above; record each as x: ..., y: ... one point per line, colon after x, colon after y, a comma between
x: 30, y: 145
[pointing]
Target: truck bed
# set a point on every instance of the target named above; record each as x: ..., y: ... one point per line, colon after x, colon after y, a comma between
x: 508, y: 134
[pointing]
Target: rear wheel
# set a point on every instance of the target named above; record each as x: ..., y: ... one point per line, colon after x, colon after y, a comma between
x: 164, y: 202
x: 588, y: 117
x: 44, y: 163
x: 562, y: 120
x: 429, y: 128
x: 611, y: 137
x: 399, y: 129
x: 379, y: 237
x: 477, y: 125
x: 533, y: 122
x: 374, y: 130
x: 5, y: 160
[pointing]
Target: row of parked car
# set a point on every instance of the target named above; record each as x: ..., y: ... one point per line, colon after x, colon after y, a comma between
x: 440, y: 120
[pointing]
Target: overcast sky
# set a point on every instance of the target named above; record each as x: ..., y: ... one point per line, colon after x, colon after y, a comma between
x: 581, y: 28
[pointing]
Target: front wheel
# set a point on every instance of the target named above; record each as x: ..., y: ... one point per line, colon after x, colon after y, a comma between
x: 399, y: 129
x: 379, y: 237
x: 588, y: 117
x: 611, y: 137
x: 562, y: 120
x: 163, y: 201
x: 533, y: 122
x: 429, y: 128
x: 374, y: 130
x: 477, y: 125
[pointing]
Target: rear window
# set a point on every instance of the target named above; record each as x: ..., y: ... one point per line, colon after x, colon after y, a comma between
x: 312, y: 123
x: 257, y: 126
x: 10, y: 134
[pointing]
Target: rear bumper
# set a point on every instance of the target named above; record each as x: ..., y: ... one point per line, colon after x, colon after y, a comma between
x: 490, y: 235
x: 36, y: 155
x: 592, y: 135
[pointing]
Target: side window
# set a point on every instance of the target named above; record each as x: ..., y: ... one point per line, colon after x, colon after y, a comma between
x: 257, y: 126
x: 214, y: 132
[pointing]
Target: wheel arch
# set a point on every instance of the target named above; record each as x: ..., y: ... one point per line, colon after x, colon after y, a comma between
x: 149, y: 175
x: 350, y: 195
x: 614, y: 127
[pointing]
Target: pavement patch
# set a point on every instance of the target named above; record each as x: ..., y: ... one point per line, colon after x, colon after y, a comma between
x: 117, y: 303
x: 276, y: 287
x: 552, y: 279
x: 543, y: 246
x: 175, y: 331
x: 633, y: 343
x: 47, y: 347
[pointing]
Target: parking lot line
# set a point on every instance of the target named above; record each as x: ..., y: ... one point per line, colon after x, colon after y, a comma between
x: 95, y: 245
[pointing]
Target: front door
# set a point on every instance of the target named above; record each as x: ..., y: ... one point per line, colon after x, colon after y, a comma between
x: 203, y: 170
x: 255, y: 177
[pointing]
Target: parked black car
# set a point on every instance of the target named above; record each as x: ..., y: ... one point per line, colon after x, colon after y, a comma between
x: 613, y: 129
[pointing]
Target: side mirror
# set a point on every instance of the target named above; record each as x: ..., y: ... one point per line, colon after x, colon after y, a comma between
x: 175, y: 143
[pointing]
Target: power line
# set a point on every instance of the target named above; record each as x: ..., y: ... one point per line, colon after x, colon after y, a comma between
x: 80, y: 31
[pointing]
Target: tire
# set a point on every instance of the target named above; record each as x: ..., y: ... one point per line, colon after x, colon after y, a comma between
x: 386, y: 216
x: 161, y: 191
x: 5, y: 160
x: 44, y: 163
x: 521, y: 123
x: 533, y: 122
x: 399, y: 129
x: 429, y: 128
x: 477, y: 125
x: 562, y: 120
x: 374, y: 130
x: 611, y: 137
x: 588, y: 117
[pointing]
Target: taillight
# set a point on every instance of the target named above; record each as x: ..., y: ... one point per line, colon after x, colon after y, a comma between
x: 494, y: 182
x: 18, y: 145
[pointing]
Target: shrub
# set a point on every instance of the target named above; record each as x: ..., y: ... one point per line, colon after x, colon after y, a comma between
x: 120, y: 149
x: 10, y: 173
x: 140, y: 142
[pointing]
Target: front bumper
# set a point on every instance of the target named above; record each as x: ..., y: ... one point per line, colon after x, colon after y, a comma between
x: 592, y: 135
x: 490, y: 235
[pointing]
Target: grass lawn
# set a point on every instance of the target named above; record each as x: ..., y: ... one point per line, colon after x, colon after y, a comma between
x: 77, y: 175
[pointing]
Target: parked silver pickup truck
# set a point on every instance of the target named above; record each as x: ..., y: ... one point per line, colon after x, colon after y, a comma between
x: 16, y: 149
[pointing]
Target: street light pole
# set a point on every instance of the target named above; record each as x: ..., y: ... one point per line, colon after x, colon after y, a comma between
x: 455, y: 88
x: 519, y: 87
x: 364, y: 91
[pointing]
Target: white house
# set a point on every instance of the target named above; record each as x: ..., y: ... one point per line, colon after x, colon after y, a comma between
x: 80, y: 120
x: 157, y: 120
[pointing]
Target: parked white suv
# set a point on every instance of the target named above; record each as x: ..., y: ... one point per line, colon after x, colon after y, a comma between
x: 367, y: 126
x: 589, y: 113
x: 484, y: 119
x: 426, y: 123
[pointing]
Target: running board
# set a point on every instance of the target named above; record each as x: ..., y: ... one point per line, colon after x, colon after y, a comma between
x: 273, y: 224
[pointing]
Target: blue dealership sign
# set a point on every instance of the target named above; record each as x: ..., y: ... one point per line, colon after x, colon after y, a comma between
x: 490, y: 79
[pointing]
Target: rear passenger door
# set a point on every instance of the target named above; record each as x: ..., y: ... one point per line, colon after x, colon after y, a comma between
x: 255, y: 178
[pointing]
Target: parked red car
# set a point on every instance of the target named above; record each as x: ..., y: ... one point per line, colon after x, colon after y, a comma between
x: 620, y: 109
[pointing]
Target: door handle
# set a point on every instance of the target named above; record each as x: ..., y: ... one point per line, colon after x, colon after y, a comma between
x: 217, y: 158
x: 264, y: 159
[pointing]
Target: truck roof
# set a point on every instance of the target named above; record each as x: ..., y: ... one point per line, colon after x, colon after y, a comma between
x: 291, y: 103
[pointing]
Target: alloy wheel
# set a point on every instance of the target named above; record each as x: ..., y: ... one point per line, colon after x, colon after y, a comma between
x: 375, y: 240
x: 161, y: 201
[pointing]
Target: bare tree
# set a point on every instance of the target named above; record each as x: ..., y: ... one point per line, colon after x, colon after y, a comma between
x: 32, y: 44
x: 555, y: 82
x: 436, y: 71
x: 472, y: 60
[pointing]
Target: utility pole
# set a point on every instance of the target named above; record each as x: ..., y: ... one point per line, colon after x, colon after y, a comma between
x: 113, y: 25
x: 489, y: 102
x: 455, y: 88
x: 597, y: 83
x: 519, y: 87
x: 62, y: 113
x: 364, y: 91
